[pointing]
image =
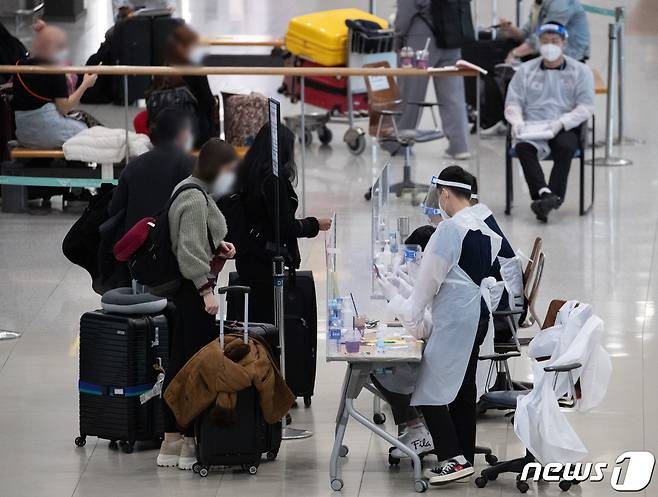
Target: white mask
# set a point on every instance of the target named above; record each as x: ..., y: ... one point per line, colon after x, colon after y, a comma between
x: 224, y: 183
x: 444, y: 214
x: 61, y: 56
x: 550, y: 51
x: 196, y: 55
x: 189, y: 143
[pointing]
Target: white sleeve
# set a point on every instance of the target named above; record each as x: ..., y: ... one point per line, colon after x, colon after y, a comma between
x: 442, y: 254
x: 584, y: 101
x: 515, y: 100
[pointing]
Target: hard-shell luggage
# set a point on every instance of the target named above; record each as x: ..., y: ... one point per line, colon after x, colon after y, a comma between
x: 322, y: 36
x: 244, y: 442
x: 121, y: 360
x: 330, y: 92
x: 301, y: 327
x: 244, y: 116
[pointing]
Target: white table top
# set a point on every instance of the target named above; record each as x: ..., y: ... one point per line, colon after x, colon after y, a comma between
x: 409, y: 351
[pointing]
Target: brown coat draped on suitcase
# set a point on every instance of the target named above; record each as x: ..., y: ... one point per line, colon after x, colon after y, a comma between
x: 211, y: 376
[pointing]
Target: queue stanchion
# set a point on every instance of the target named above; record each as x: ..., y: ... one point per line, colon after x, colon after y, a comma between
x: 477, y: 126
x: 303, y: 151
x: 278, y: 263
x: 620, y: 19
x: 608, y: 160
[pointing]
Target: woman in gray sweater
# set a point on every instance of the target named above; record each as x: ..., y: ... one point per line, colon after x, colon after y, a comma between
x: 197, y: 230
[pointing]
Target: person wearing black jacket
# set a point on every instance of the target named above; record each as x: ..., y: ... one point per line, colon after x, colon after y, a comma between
x: 183, y: 49
x: 146, y: 183
x: 256, y: 182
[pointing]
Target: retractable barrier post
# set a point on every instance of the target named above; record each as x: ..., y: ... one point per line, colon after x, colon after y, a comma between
x: 620, y: 19
x: 373, y: 7
x: 125, y: 114
x: 608, y: 160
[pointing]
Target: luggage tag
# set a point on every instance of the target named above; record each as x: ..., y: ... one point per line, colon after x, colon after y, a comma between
x: 156, y: 391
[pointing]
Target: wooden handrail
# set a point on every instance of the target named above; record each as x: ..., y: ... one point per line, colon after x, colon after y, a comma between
x: 228, y: 71
x: 244, y: 41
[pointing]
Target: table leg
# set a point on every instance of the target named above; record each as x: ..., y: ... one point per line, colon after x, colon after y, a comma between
x: 339, y: 449
x: 420, y: 485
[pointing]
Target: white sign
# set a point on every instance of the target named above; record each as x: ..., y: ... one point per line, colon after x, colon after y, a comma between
x: 274, y: 129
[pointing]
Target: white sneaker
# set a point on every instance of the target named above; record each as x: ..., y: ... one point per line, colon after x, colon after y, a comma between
x: 169, y: 453
x: 187, y: 454
x: 459, y: 156
x: 417, y: 439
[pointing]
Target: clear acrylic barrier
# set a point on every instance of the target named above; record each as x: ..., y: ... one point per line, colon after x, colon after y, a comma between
x: 380, y: 224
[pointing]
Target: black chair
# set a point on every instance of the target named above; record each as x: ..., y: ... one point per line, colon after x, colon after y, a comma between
x: 510, y: 154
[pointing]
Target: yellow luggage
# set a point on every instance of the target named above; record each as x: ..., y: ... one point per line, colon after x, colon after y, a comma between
x: 322, y: 36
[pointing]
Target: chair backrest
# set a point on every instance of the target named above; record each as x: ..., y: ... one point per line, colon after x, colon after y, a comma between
x: 534, y: 254
x: 383, y: 94
x: 532, y: 297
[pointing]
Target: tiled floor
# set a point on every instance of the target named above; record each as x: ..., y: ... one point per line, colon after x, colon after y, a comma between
x: 609, y: 258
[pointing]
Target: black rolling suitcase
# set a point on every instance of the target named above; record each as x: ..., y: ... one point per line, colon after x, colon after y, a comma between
x: 120, y: 357
x: 244, y: 442
x: 301, y: 328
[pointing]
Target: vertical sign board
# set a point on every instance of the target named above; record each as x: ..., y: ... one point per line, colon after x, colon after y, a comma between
x: 275, y: 109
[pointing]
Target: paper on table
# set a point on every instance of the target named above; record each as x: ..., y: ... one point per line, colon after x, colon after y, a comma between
x: 539, y: 130
x: 460, y: 64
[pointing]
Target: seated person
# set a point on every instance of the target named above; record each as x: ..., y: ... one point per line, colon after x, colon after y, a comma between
x: 191, y: 93
x: 42, y: 104
x: 569, y: 13
x: 557, y: 89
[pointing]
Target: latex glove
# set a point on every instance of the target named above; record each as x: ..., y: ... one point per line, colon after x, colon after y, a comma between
x: 403, y: 275
x: 388, y: 288
x: 404, y: 289
x: 517, y: 129
x: 556, y: 127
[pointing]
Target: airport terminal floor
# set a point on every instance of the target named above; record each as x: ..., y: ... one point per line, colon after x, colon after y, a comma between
x: 608, y: 258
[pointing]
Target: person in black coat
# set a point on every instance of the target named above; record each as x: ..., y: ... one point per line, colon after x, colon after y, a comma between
x: 256, y: 182
x: 146, y: 183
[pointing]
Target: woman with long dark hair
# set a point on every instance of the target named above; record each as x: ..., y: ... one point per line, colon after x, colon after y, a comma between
x: 257, y: 183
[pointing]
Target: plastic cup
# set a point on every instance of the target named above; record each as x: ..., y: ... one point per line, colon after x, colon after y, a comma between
x: 422, y: 59
x: 407, y: 57
x: 352, y: 347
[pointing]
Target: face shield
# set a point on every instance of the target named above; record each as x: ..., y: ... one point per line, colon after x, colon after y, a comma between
x: 430, y: 205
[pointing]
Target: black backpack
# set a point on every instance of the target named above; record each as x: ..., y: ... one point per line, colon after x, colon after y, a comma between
x: 155, y: 264
x: 452, y: 23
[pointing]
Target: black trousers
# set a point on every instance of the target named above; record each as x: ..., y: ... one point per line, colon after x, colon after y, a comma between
x: 193, y: 329
x: 563, y: 147
x: 453, y: 426
x: 402, y: 411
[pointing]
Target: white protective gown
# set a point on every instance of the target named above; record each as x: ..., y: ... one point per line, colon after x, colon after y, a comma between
x: 537, y: 94
x: 539, y: 422
x: 455, y: 301
x: 511, y: 268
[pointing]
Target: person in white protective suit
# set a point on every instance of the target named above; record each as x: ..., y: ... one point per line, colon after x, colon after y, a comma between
x: 538, y: 421
x: 455, y: 280
x: 548, y: 100
x: 396, y: 388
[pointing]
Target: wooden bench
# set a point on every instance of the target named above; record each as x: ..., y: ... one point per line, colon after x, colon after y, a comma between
x: 244, y: 41
x: 600, y: 88
x: 15, y: 177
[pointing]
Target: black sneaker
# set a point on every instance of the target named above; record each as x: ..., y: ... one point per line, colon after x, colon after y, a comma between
x: 451, y: 471
x: 544, y: 205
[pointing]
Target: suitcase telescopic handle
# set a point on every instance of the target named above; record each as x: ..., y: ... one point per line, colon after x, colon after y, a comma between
x: 238, y: 289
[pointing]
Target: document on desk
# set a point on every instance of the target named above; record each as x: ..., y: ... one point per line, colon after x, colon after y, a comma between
x: 539, y: 130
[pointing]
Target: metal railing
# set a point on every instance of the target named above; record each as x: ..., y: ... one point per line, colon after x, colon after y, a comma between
x: 301, y: 72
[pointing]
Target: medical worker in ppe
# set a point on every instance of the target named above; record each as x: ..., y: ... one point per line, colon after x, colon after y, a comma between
x: 554, y: 94
x: 455, y: 280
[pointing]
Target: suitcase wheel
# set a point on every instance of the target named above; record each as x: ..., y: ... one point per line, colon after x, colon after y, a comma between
x: 113, y: 445
x: 307, y: 401
x: 203, y: 471
x: 252, y: 469
x: 325, y: 135
x: 379, y: 418
x: 271, y: 455
x: 80, y: 441
x: 127, y: 447
x: 196, y: 467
